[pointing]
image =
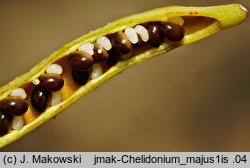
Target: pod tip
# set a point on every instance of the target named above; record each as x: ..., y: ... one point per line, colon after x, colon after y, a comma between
x: 243, y: 8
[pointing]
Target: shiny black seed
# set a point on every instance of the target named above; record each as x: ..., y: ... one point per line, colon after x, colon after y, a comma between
x: 80, y: 77
x: 155, y: 35
x: 4, y: 122
x: 172, y: 31
x: 121, y: 43
x: 113, y: 58
x: 80, y: 60
x: 40, y: 98
x: 14, y: 106
x: 52, y: 82
x: 100, y: 53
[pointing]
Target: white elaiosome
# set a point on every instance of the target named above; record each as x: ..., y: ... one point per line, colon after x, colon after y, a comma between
x: 143, y: 32
x: 131, y: 35
x: 36, y: 81
x: 17, y: 122
x: 96, y: 71
x: 20, y: 92
x: 56, y: 98
x: 104, y: 42
x: 87, y: 47
x: 243, y: 8
x: 177, y: 20
x: 54, y: 69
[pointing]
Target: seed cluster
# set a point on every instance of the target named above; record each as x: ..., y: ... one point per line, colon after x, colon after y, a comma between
x: 49, y: 82
x: 10, y: 107
x: 86, y: 63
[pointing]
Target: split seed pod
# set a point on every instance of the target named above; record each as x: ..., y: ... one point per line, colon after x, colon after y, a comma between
x: 212, y: 20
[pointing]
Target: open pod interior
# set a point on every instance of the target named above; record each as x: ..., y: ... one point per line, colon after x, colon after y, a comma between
x: 195, y: 26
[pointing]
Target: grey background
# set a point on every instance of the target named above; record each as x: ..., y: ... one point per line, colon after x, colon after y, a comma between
x: 194, y: 98
x: 87, y: 159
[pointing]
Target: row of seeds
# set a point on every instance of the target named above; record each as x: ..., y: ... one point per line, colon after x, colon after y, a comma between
x: 85, y: 65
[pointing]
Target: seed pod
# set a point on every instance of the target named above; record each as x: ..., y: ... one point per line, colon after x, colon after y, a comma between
x: 52, y: 82
x: 14, y: 106
x: 4, y: 122
x: 209, y: 21
x: 172, y: 31
x: 40, y: 98
x: 80, y: 77
x: 155, y: 35
x: 100, y: 53
x: 80, y: 60
x: 121, y: 43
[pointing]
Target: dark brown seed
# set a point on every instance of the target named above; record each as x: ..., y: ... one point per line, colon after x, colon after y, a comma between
x: 172, y: 31
x: 80, y: 77
x: 80, y: 60
x: 52, y: 82
x: 14, y: 106
x: 4, y: 122
x: 140, y: 43
x: 113, y: 58
x: 121, y: 43
x: 100, y: 53
x: 40, y: 98
x: 155, y: 35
